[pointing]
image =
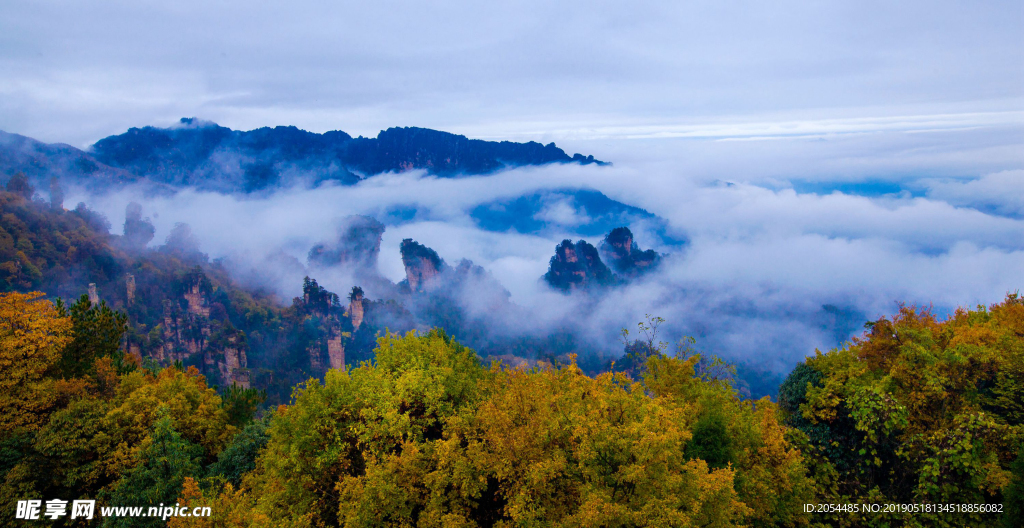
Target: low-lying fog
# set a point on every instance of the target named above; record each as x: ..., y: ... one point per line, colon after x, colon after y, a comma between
x: 776, y: 228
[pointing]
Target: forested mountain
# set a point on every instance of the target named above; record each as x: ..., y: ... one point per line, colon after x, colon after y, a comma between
x: 41, y: 162
x: 206, y: 155
x: 579, y: 266
x: 211, y: 156
x: 181, y: 306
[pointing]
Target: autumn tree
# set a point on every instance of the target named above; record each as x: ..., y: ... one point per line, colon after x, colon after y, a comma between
x: 32, y: 335
x: 916, y: 411
x: 99, y: 443
x: 426, y: 436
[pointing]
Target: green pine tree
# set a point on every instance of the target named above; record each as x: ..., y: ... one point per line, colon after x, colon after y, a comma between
x: 97, y: 333
x: 239, y: 457
x: 157, y: 479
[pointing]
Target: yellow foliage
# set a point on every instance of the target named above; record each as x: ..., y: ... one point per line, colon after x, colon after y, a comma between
x: 195, y: 408
x: 230, y: 508
x: 32, y: 334
x: 426, y: 437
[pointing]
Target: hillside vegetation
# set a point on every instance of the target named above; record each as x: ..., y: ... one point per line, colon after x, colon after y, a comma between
x: 917, y: 411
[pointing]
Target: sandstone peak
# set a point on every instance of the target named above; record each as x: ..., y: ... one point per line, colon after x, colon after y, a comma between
x: 623, y: 254
x: 422, y: 265
x: 577, y: 265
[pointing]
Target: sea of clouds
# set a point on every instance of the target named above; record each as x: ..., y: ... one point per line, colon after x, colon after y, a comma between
x: 791, y: 242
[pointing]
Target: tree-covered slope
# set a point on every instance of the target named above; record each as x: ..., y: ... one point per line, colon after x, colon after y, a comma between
x: 918, y: 411
x: 920, y: 415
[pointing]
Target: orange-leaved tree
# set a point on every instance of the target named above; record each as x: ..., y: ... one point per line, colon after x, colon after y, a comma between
x: 32, y: 335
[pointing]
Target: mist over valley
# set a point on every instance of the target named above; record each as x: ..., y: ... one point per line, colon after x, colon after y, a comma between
x: 761, y: 272
x: 567, y: 264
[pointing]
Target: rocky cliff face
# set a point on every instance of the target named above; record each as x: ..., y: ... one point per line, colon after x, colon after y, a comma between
x: 477, y: 291
x: 422, y: 265
x: 356, y: 310
x: 188, y: 335
x: 232, y: 362
x: 197, y: 304
x: 624, y: 256
x: 129, y: 286
x: 320, y: 311
x: 577, y: 266
x: 329, y: 350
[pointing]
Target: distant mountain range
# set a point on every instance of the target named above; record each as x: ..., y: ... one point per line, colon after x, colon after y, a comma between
x: 41, y: 161
x: 206, y: 155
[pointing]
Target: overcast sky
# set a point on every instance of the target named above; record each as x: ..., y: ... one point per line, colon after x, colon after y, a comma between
x: 74, y: 72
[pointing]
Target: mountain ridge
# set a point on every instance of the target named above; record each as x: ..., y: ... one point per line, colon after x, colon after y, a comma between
x: 40, y: 161
x: 207, y: 155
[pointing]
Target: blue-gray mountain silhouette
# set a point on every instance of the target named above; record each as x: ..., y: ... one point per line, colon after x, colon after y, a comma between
x: 208, y: 155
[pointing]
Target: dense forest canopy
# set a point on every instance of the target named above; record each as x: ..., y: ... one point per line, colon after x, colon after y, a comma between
x: 918, y: 411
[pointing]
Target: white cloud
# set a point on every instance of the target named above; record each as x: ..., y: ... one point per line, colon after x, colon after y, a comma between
x: 562, y: 212
x: 752, y: 281
x: 1001, y: 193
